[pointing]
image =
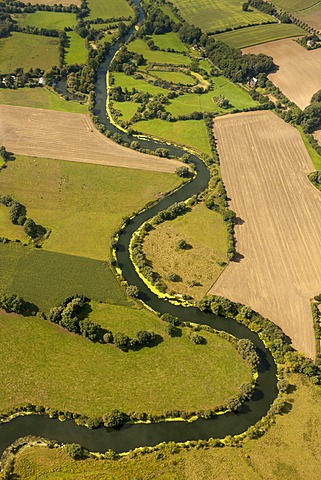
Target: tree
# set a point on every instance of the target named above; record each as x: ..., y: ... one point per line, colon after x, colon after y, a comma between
x: 74, y: 450
x: 132, y: 291
x: 183, y: 172
x: 145, y: 338
x: 181, y: 244
x: 121, y: 341
x: 115, y: 419
x: 245, y: 7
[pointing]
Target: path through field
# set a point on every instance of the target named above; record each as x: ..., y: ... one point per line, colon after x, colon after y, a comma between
x: 278, y: 263
x: 69, y: 136
x: 299, y: 73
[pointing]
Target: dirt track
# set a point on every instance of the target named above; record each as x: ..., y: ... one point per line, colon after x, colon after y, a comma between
x: 69, y: 136
x: 278, y: 269
x: 299, y: 74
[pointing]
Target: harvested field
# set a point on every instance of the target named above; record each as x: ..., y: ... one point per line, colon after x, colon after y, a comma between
x: 299, y: 74
x: 278, y: 262
x: 317, y: 135
x: 69, y: 136
x: 311, y: 16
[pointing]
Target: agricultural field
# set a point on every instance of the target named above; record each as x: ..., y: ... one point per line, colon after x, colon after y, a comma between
x: 169, y: 40
x: 69, y: 136
x: 202, y: 261
x: 245, y: 37
x: 156, y: 56
x: 217, y: 15
x: 129, y: 82
x: 32, y: 372
x: 50, y: 20
x: 278, y: 256
x: 295, y: 5
x: 299, y: 73
x: 311, y: 16
x: 53, y: 2
x: 110, y: 9
x: 76, y: 52
x: 28, y: 51
x: 39, y: 98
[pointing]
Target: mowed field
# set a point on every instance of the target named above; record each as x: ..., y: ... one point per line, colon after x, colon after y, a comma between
x: 277, y: 269
x: 109, y: 8
x: 299, y: 73
x: 53, y: 2
x: 68, y: 136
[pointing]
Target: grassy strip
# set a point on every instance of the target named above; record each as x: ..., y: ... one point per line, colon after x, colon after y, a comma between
x: 315, y: 157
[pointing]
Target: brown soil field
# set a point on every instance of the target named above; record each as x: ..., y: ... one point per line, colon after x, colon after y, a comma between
x: 317, y: 135
x: 277, y: 267
x: 311, y: 16
x: 299, y: 73
x: 69, y: 136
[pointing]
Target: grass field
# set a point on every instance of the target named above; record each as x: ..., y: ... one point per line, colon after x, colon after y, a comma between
x: 245, y: 37
x: 156, y: 56
x: 123, y: 80
x: 108, y: 9
x: 191, y: 133
x: 50, y: 20
x: 39, y: 98
x: 28, y: 51
x: 214, y: 15
x: 127, y: 109
x: 78, y: 375
x: 169, y: 40
x: 295, y: 5
x: 199, y: 263
x: 83, y: 204
x: 76, y: 52
x: 52, y: 2
x: 174, y: 77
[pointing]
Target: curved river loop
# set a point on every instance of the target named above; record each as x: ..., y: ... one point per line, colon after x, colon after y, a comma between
x: 139, y: 435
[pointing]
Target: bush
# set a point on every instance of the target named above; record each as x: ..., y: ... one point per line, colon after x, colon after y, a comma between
x: 74, y: 450
x: 115, y: 419
x: 121, y: 341
x: 145, y: 338
x: 181, y: 244
x: 132, y: 291
x: 196, y: 338
x: 183, y: 172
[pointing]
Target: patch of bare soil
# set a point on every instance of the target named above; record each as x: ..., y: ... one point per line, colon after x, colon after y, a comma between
x: 69, y: 136
x: 278, y: 230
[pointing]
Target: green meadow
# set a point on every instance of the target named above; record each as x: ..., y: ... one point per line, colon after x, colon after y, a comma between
x: 174, y: 77
x: 169, y: 40
x: 156, y: 56
x: 127, y: 109
x: 76, y: 52
x: 108, y: 9
x: 129, y: 82
x: 50, y: 20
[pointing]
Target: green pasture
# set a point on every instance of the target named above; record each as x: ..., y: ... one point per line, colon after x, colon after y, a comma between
x: 295, y: 5
x: 46, y: 278
x: 156, y: 56
x: 191, y: 102
x: 82, y: 204
x: 78, y: 375
x: 50, y: 20
x: 245, y: 37
x: 39, y: 97
x: 76, y: 52
x: 174, y: 77
x: 127, y: 109
x: 169, y: 40
x: 109, y: 9
x: 167, y: 10
x: 28, y: 51
x: 214, y: 15
x: 191, y: 133
x: 129, y: 82
x: 205, y: 65
x: 7, y: 228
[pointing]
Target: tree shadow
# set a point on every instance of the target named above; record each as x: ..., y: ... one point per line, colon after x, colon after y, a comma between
x: 238, y: 257
x: 238, y: 221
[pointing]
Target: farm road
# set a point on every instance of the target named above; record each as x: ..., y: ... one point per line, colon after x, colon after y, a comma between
x: 277, y: 270
x: 69, y: 136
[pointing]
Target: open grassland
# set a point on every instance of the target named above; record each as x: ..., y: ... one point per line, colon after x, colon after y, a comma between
x: 107, y: 378
x: 245, y: 37
x: 169, y: 40
x: 157, y: 56
x: 50, y: 20
x: 191, y: 133
x: 7, y: 228
x: 39, y: 98
x: 215, y: 15
x: 295, y: 5
x: 47, y: 278
x: 291, y: 451
x: 28, y: 51
x: 53, y: 2
x: 76, y: 52
x: 127, y: 109
x: 264, y: 166
x: 190, y: 102
x: 108, y: 9
x: 82, y: 204
x: 299, y: 73
x: 207, y: 247
x: 174, y: 77
x: 69, y: 136
x: 311, y: 16
x: 129, y: 82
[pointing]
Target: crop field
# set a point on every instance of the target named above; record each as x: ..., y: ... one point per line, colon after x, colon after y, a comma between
x: 295, y: 5
x: 264, y: 167
x: 188, y: 132
x: 199, y: 263
x: 299, y: 73
x: 69, y: 136
x: 53, y: 2
x: 28, y: 51
x: 108, y: 9
x: 245, y: 37
x: 174, y: 77
x: 129, y: 82
x: 218, y: 15
x: 76, y: 52
x: 312, y: 16
x: 77, y: 201
x: 39, y: 98
x: 50, y: 20
x: 108, y: 378
x: 169, y: 40
x: 156, y: 56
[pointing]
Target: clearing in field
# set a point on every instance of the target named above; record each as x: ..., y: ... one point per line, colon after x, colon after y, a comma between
x: 299, y: 73
x: 50, y: 20
x: 28, y: 51
x: 76, y: 52
x: 69, y: 136
x: 264, y: 167
x: 109, y: 9
x: 245, y: 37
x: 218, y: 15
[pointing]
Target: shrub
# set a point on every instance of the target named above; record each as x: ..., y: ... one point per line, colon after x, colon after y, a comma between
x: 181, y: 244
x: 132, y: 291
x: 121, y: 341
x: 145, y: 338
x: 196, y: 338
x: 74, y: 450
x: 115, y: 419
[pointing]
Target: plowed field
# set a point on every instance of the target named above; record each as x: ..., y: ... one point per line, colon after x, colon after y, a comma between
x: 299, y: 73
x: 278, y: 263
x: 68, y: 136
